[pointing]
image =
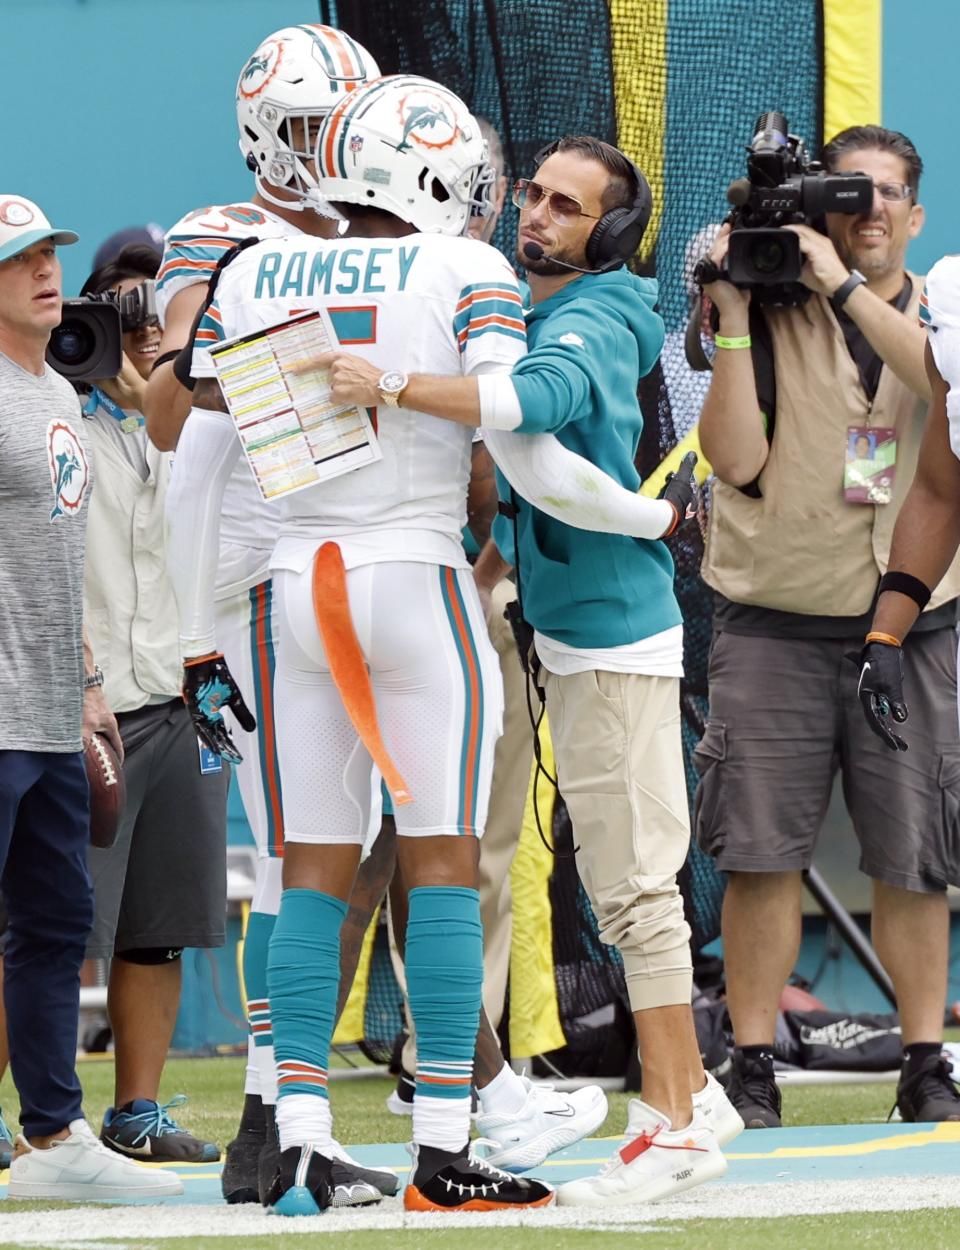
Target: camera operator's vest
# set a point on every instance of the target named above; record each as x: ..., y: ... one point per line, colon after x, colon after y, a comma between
x: 801, y: 548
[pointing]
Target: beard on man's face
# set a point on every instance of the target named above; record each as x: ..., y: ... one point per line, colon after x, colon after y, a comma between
x: 546, y: 266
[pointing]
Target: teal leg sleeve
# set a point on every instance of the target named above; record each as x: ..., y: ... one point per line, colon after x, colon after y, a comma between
x: 303, y: 974
x: 444, y: 963
x: 255, y: 948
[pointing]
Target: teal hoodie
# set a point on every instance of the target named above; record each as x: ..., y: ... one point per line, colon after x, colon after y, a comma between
x: 590, y: 343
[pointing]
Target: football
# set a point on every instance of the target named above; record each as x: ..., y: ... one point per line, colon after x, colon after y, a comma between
x: 108, y: 793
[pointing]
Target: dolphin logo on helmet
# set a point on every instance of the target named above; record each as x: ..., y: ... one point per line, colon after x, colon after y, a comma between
x: 285, y: 89
x: 410, y: 147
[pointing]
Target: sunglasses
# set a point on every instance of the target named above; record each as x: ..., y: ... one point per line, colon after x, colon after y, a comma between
x: 563, y: 209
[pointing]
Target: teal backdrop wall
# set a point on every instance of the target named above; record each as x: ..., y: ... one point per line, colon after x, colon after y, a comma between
x: 921, y: 92
x: 119, y: 112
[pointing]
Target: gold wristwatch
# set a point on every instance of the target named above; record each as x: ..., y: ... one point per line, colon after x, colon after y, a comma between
x: 391, y: 386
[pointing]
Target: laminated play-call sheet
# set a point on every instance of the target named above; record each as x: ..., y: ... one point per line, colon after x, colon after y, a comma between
x: 293, y: 432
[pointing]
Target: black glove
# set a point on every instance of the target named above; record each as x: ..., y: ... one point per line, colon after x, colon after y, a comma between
x: 680, y: 491
x: 207, y: 687
x: 881, y: 689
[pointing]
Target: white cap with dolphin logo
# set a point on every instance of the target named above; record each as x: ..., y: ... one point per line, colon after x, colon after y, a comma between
x: 22, y: 224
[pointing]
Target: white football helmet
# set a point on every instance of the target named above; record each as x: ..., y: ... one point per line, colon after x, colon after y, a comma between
x: 410, y: 147
x: 285, y: 89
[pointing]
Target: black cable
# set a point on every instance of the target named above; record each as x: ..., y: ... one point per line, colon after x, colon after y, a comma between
x: 523, y: 636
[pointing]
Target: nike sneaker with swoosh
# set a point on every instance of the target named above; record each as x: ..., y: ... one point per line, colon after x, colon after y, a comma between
x: 547, y: 1121
x: 144, y: 1129
x: 656, y: 1161
x: 80, y: 1169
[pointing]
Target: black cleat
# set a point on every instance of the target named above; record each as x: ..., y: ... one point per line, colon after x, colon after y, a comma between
x: 442, y: 1181
x: 238, y: 1180
x: 268, y: 1159
x: 754, y: 1092
x: 301, y: 1185
x: 928, y: 1093
x: 351, y: 1184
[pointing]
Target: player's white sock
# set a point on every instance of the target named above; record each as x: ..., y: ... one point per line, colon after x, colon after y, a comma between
x: 304, y: 1118
x: 504, y: 1095
x: 441, y: 1122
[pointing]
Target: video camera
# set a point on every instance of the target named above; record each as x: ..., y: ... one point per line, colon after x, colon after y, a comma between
x: 783, y: 186
x: 88, y: 342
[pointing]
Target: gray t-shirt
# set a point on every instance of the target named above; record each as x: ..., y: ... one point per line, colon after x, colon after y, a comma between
x: 45, y: 479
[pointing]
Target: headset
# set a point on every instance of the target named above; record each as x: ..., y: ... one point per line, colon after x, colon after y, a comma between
x: 616, y: 236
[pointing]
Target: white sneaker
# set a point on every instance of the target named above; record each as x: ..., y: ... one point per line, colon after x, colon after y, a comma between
x: 546, y: 1122
x: 713, y: 1109
x: 80, y: 1168
x: 655, y: 1162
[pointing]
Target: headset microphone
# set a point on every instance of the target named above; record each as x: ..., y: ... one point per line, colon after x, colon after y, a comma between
x: 533, y: 251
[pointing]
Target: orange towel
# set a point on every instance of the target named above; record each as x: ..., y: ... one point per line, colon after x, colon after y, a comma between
x: 347, y: 665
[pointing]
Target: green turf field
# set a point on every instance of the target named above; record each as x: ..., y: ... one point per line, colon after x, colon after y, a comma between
x: 213, y: 1086
x: 883, y: 1231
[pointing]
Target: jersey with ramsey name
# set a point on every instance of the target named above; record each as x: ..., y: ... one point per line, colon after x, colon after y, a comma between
x: 419, y: 304
x: 249, y: 525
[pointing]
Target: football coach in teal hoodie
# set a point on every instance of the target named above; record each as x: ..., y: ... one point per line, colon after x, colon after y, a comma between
x: 608, y: 632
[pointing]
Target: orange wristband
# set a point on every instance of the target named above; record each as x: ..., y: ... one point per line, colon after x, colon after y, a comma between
x: 202, y: 659
x: 889, y: 639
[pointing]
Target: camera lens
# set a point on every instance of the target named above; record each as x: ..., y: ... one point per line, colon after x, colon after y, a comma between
x: 767, y: 256
x: 71, y: 342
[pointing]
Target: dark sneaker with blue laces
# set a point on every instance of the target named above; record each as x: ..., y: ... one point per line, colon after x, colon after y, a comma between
x: 144, y: 1129
x: 6, y: 1144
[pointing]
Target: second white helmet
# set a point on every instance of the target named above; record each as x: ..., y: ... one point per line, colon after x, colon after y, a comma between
x: 410, y: 147
x: 286, y: 88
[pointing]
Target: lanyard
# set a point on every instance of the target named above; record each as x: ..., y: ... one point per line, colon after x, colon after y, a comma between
x: 128, y: 422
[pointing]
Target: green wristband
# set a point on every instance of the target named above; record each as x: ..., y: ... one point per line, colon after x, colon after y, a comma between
x: 732, y: 344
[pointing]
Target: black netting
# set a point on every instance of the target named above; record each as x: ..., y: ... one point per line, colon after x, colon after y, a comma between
x: 383, y: 1017
x: 678, y: 84
x: 534, y: 69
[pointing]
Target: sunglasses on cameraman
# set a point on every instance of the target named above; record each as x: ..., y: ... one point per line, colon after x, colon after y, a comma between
x: 563, y: 209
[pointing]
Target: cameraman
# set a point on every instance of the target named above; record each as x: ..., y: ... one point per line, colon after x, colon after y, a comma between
x: 162, y: 885
x: 795, y: 566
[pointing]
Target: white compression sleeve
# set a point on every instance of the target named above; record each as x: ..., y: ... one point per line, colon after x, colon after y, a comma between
x: 499, y: 405
x: 206, y: 454
x: 570, y: 489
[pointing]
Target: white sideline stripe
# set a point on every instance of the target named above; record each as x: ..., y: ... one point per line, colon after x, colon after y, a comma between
x: 85, y: 1227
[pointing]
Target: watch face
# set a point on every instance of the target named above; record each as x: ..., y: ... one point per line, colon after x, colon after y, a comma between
x: 394, y: 381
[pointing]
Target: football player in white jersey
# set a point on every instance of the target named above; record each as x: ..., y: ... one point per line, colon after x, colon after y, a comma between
x: 285, y: 89
x: 371, y: 576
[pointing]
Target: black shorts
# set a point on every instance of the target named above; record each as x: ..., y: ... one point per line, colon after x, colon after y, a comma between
x: 164, y: 881
x: 784, y: 716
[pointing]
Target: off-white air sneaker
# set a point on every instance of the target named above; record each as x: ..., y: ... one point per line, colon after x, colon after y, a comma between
x: 713, y: 1109
x: 656, y: 1161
